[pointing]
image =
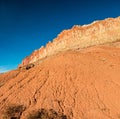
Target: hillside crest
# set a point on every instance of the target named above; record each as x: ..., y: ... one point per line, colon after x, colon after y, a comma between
x: 96, y: 33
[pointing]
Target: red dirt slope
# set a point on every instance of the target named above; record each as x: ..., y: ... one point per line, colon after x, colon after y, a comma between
x: 83, y: 84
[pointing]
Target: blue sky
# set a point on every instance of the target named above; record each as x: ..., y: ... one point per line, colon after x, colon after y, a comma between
x: 26, y: 25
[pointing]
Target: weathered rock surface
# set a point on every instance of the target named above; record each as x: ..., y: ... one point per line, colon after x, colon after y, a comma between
x: 96, y: 33
x: 79, y: 82
x: 82, y: 84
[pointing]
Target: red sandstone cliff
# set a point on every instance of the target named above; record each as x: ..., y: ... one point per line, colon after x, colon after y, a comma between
x: 96, y: 33
x: 79, y: 82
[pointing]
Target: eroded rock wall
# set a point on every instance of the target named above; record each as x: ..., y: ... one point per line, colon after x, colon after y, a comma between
x: 98, y: 32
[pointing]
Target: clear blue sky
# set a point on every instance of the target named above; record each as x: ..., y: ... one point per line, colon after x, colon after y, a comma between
x: 25, y: 25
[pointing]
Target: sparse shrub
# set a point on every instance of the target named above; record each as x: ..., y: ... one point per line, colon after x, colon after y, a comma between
x: 46, y: 114
x: 29, y: 66
x: 13, y: 112
x: 42, y: 114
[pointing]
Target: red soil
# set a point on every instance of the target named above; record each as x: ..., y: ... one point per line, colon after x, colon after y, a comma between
x: 83, y: 84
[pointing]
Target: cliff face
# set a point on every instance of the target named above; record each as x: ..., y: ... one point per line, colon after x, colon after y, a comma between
x: 96, y: 33
x: 81, y: 79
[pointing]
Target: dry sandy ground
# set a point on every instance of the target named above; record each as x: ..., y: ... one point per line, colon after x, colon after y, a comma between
x: 82, y: 84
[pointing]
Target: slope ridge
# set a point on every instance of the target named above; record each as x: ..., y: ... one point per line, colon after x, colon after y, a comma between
x: 96, y: 33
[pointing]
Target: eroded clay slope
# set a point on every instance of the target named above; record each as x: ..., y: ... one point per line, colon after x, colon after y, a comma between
x: 82, y: 84
x: 96, y: 33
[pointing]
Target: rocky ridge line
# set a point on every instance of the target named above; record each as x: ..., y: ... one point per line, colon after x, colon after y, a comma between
x: 96, y: 33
